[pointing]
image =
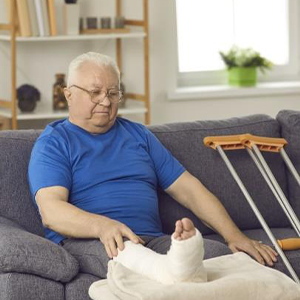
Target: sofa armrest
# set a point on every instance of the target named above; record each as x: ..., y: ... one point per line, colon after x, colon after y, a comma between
x: 24, y: 252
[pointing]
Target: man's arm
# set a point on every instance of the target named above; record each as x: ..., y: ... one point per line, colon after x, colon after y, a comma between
x: 191, y: 193
x: 60, y: 216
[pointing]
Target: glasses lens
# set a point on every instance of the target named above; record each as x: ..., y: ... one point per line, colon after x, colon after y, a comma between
x: 114, y: 96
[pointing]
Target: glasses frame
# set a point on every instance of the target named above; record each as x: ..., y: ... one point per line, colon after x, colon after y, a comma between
x: 101, y: 100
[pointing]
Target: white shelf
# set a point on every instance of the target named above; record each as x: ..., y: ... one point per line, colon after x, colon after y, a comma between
x: 133, y: 34
x: 45, y: 112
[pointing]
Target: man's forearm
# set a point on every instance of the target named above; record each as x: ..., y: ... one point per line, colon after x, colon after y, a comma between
x: 71, y: 221
x: 211, y: 211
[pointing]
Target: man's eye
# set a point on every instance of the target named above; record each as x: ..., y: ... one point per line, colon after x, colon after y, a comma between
x: 113, y: 93
x: 95, y: 93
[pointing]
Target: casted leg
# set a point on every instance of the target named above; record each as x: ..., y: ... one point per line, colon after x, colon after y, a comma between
x: 183, y: 262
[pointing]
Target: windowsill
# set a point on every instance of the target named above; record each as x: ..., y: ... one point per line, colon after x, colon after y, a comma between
x: 225, y: 91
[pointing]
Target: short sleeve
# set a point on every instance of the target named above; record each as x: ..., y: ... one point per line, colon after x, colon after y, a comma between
x: 167, y: 167
x: 49, y: 165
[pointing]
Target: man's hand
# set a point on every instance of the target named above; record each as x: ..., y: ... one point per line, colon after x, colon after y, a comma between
x: 111, y: 235
x: 262, y: 253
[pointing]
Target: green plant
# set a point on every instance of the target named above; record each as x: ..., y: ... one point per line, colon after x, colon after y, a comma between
x: 247, y: 57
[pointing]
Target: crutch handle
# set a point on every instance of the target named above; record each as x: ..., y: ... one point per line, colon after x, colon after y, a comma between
x: 227, y: 142
x: 289, y: 244
x: 263, y: 143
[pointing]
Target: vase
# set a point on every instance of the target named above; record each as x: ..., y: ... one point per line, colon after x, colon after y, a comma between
x: 242, y: 76
x: 59, y: 100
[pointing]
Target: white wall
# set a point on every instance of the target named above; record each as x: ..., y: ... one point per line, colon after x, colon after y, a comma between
x: 38, y: 62
x: 163, y: 110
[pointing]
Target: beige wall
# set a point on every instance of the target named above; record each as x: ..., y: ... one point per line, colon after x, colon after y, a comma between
x: 38, y: 62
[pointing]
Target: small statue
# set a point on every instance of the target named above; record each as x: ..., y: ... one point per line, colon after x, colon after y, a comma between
x: 59, y: 100
x: 27, y: 96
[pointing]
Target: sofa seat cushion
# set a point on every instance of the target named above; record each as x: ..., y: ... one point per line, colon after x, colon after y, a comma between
x: 279, y: 233
x: 185, y: 141
x: 15, y: 286
x: 24, y: 252
x: 78, y: 288
x: 290, y: 130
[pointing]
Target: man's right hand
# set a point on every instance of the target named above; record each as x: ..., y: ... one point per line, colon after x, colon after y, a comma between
x: 111, y: 235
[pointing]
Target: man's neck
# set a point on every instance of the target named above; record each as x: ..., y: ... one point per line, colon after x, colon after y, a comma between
x: 95, y: 130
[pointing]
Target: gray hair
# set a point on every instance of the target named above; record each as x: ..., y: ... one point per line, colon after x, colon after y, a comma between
x: 97, y: 58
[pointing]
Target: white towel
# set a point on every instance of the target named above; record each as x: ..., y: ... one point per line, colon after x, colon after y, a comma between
x: 230, y: 277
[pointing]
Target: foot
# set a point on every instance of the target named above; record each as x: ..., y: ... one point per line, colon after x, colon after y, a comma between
x: 184, y: 229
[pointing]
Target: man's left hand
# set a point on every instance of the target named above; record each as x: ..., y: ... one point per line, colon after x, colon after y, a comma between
x: 261, y: 252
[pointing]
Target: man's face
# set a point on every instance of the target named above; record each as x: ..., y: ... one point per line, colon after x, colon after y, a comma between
x: 95, y: 118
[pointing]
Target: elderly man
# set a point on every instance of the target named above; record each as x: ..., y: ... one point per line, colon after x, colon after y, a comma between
x: 93, y: 177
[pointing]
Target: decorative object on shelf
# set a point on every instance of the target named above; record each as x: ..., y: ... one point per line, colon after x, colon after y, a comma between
x: 119, y: 22
x: 106, y: 23
x: 99, y: 30
x: 71, y: 17
x: 242, y: 66
x: 59, y: 100
x: 92, y: 22
x: 27, y: 96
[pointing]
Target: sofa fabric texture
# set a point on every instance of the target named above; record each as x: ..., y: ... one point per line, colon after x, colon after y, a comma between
x: 290, y: 130
x: 185, y: 141
x: 32, y: 267
x: 25, y: 252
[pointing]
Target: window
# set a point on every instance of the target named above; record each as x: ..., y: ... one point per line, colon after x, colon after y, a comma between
x: 205, y: 27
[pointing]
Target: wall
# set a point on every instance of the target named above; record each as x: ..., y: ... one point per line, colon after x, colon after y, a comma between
x: 38, y: 62
x: 163, y: 110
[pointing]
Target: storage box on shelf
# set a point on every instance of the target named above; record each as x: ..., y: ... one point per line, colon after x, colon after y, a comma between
x: 138, y: 104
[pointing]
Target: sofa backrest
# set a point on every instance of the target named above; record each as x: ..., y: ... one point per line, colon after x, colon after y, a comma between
x: 185, y: 141
x: 290, y: 130
x: 15, y: 199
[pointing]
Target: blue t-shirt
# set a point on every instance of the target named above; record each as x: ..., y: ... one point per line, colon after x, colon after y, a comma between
x: 114, y: 174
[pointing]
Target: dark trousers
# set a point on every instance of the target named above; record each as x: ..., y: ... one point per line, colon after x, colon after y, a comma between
x: 93, y: 258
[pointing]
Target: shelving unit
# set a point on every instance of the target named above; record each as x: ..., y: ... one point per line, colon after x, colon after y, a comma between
x: 138, y: 103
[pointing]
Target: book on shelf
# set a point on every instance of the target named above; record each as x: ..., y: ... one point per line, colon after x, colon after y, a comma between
x: 45, y: 16
x: 52, y: 17
x: 42, y: 17
x: 33, y: 18
x: 24, y: 22
x: 39, y: 16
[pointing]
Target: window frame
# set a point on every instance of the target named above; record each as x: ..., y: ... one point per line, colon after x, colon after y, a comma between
x: 288, y: 72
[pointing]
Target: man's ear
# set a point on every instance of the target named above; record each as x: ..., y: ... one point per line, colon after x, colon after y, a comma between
x: 68, y: 95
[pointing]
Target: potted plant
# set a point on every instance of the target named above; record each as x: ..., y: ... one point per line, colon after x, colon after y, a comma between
x: 242, y: 65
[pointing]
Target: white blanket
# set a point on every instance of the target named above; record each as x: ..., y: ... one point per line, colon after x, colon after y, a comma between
x: 230, y: 277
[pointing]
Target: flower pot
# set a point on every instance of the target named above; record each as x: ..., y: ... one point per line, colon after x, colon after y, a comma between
x: 242, y: 76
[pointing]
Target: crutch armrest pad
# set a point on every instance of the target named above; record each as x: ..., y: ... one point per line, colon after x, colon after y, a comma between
x: 227, y: 142
x: 263, y: 143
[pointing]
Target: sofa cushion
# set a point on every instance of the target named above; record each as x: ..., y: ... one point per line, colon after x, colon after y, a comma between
x: 78, y: 288
x: 185, y: 141
x: 24, y: 252
x: 15, y: 149
x: 290, y: 130
x: 15, y: 286
x: 279, y: 233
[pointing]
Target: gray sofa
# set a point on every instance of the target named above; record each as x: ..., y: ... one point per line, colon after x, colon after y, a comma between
x: 32, y: 267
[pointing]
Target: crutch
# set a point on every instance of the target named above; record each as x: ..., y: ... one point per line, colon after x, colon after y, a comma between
x: 234, y: 142
x: 254, y: 144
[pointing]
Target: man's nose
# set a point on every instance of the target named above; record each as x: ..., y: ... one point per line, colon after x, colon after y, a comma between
x: 105, y: 101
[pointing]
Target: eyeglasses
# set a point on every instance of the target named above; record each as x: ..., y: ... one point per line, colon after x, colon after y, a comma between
x: 97, y: 96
